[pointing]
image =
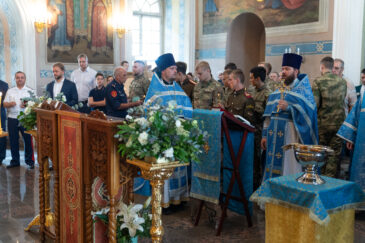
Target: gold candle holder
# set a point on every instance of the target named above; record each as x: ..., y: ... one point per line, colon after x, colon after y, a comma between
x: 156, y: 174
x: 1, y: 129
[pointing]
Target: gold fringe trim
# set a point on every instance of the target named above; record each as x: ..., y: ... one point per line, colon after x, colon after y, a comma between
x: 204, y: 198
x: 260, y: 200
x: 206, y: 177
x: 274, y: 171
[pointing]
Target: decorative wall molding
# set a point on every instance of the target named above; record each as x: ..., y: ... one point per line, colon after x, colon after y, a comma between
x: 306, y: 48
x: 46, y: 73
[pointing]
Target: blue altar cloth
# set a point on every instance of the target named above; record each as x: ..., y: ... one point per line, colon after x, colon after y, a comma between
x: 246, y: 169
x: 205, y: 175
x: 320, y: 200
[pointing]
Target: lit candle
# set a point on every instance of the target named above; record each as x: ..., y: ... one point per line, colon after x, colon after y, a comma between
x: 298, y: 51
x: 289, y: 49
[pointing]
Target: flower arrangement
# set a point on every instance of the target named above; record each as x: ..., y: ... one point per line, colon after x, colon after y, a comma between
x: 28, y: 117
x: 132, y: 221
x: 160, y: 133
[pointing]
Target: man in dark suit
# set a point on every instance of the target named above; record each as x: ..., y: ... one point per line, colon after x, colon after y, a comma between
x: 3, y: 89
x: 361, y: 88
x: 62, y: 85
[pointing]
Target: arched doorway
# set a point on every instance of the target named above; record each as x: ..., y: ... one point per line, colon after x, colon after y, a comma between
x: 246, y: 41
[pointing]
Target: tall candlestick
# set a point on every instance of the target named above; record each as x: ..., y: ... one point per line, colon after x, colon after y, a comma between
x: 1, y: 129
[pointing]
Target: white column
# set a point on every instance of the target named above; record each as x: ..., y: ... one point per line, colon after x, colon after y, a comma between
x: 27, y: 48
x: 190, y: 34
x: 348, y: 36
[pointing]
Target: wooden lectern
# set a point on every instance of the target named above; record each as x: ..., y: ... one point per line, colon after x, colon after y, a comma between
x: 81, y: 147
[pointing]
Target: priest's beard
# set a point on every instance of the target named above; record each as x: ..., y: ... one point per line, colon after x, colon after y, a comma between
x: 289, y: 79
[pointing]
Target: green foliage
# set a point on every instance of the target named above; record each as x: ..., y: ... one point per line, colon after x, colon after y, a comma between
x: 160, y: 133
x: 28, y: 117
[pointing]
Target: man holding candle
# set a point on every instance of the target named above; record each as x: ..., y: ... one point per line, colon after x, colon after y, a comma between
x: 3, y: 89
x: 290, y: 117
x: 14, y: 105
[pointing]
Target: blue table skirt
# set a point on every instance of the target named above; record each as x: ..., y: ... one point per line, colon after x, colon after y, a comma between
x: 320, y: 200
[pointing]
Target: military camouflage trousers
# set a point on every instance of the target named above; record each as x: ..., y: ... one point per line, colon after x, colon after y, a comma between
x: 327, y: 137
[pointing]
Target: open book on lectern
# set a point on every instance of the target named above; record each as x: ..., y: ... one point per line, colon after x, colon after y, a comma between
x: 243, y: 120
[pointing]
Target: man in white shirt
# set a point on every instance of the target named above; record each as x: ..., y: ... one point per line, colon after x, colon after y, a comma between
x: 14, y: 105
x: 84, y: 78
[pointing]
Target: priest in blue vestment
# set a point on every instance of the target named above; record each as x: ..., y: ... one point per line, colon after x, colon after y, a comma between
x: 164, y: 89
x: 290, y: 117
x: 353, y: 131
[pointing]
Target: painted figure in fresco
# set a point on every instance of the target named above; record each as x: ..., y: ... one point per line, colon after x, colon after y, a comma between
x: 99, y: 26
x: 61, y: 34
x: 99, y: 35
x: 211, y: 8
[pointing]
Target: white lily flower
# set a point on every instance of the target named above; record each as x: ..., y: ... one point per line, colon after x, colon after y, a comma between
x: 49, y: 100
x: 178, y: 123
x: 133, y: 226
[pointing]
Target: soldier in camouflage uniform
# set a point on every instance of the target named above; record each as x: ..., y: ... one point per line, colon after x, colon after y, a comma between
x: 239, y: 102
x: 270, y: 83
x: 329, y: 91
x: 262, y: 92
x: 226, y: 89
x: 139, y: 86
x: 182, y: 79
x: 208, y: 93
x: 273, y: 81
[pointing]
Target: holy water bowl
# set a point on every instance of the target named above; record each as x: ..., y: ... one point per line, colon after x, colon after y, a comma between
x: 311, y: 157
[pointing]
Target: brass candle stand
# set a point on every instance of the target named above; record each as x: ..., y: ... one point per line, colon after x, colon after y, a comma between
x: 156, y: 174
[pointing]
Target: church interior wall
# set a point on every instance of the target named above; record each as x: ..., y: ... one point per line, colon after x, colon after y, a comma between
x: 10, y: 41
x: 28, y: 52
x: 314, y: 44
